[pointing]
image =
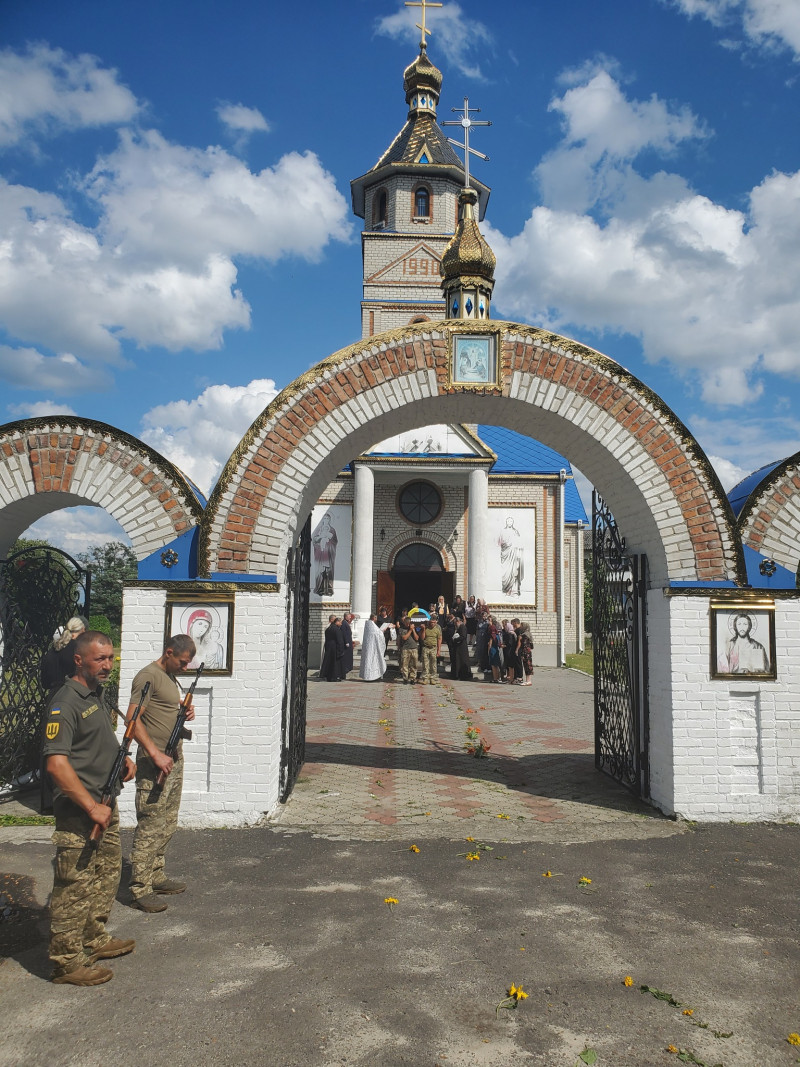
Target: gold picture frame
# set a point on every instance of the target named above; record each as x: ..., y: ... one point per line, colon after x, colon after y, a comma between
x: 743, y: 640
x: 208, y: 619
x: 474, y: 361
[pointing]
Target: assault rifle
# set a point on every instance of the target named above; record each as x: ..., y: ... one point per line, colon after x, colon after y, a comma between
x: 110, y: 788
x: 179, y: 730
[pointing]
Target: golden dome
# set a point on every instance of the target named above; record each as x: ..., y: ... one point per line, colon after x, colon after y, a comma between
x: 421, y: 74
x: 467, y: 253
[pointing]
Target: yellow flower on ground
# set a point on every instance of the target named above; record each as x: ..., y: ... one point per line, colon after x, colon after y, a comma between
x: 547, y: 874
x: 413, y: 848
x: 585, y: 881
x: 517, y: 992
x: 688, y: 1011
x: 628, y: 981
x: 793, y: 1039
x: 671, y: 1048
x: 502, y: 816
x: 473, y: 855
x: 469, y: 838
x: 391, y: 901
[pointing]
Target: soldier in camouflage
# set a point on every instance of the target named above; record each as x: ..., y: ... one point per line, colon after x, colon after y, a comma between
x: 80, y: 748
x: 157, y: 805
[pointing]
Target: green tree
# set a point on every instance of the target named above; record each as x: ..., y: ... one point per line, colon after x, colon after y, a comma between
x: 111, y: 565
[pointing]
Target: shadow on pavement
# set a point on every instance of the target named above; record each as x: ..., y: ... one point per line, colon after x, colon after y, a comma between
x: 555, y: 776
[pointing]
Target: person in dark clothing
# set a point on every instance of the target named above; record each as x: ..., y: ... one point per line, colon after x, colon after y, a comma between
x: 58, y: 662
x: 347, y: 636
x: 331, y: 669
x: 448, y: 630
x: 510, y: 643
x: 461, y: 668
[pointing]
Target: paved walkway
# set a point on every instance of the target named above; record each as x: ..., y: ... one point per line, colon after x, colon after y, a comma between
x: 386, y: 760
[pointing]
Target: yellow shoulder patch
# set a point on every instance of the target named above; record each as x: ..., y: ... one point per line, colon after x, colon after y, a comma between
x: 51, y: 731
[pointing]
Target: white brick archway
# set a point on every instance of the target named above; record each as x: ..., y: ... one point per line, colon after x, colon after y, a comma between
x: 658, y: 482
x: 703, y: 763
x: 47, y: 464
x: 770, y: 520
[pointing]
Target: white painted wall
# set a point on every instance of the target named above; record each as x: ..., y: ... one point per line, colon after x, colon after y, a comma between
x: 232, y: 763
x: 736, y: 743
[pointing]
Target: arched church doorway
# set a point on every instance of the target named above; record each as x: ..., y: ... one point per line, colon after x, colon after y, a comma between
x: 418, y: 577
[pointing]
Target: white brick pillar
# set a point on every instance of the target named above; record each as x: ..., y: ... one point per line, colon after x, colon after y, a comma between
x: 363, y: 523
x: 477, y: 533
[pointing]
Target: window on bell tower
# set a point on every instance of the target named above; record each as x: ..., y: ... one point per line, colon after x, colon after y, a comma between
x: 422, y: 202
x: 379, y: 209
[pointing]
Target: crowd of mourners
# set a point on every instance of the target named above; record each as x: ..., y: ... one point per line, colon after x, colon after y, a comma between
x: 477, y: 643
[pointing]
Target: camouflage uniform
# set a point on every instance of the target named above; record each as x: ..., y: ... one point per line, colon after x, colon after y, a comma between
x: 84, y: 887
x: 86, y: 878
x: 156, y: 807
x: 157, y: 815
x: 409, y: 654
x: 430, y: 648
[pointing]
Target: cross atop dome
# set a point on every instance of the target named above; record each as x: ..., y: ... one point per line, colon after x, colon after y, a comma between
x: 424, y: 4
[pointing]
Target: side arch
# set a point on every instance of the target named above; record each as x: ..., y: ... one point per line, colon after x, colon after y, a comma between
x: 769, y: 522
x: 57, y: 462
x: 649, y: 468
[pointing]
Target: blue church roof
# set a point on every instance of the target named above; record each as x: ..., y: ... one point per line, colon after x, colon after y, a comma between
x: 737, y: 497
x: 518, y: 454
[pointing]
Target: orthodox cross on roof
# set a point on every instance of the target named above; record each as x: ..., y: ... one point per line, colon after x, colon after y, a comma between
x: 424, y: 4
x: 466, y: 122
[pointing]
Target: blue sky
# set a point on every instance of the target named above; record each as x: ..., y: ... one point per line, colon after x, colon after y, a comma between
x: 177, y: 244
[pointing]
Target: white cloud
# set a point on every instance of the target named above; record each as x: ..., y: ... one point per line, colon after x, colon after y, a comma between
x: 27, y: 368
x: 164, y: 202
x: 47, y: 91
x: 738, y: 446
x: 712, y: 290
x: 75, y: 530
x: 459, y: 37
x: 603, y: 133
x: 199, y: 435
x: 158, y: 268
x: 241, y: 119
x: 39, y: 408
x: 767, y: 23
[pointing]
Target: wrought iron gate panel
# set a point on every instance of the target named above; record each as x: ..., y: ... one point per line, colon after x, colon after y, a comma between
x: 40, y: 588
x: 293, y: 727
x: 620, y: 654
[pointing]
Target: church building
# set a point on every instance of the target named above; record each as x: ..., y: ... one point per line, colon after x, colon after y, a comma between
x: 448, y: 510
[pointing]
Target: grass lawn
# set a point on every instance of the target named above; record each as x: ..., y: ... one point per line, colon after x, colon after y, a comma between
x: 582, y: 661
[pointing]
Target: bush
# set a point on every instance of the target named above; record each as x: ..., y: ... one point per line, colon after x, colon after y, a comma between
x: 104, y: 626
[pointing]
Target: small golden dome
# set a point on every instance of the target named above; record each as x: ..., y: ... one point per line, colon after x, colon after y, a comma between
x: 468, y: 253
x: 422, y: 74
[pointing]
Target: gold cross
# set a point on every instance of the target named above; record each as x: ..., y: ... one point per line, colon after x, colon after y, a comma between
x: 424, y: 4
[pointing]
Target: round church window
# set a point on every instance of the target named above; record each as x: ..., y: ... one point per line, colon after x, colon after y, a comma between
x: 420, y: 503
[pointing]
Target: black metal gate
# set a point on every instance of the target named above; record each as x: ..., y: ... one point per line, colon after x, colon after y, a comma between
x: 293, y: 724
x: 40, y: 589
x: 619, y: 630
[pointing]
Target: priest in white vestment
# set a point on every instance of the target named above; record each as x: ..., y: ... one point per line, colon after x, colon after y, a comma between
x: 373, y: 646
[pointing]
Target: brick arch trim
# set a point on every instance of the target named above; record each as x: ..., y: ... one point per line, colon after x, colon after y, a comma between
x: 769, y: 522
x: 331, y: 413
x: 81, y: 461
x: 404, y: 540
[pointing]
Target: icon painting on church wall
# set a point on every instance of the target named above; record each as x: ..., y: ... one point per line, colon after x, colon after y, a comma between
x: 743, y: 640
x: 511, y: 570
x: 208, y: 620
x: 473, y: 361
x: 330, y: 553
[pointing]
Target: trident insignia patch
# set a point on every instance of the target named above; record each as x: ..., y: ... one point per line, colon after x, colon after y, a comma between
x: 51, y: 731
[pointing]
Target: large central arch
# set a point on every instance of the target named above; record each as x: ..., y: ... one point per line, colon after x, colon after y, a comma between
x: 652, y: 472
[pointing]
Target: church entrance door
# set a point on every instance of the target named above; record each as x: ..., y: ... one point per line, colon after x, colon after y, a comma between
x: 419, y: 577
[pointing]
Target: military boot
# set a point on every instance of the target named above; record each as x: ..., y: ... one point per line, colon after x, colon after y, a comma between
x: 84, y: 976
